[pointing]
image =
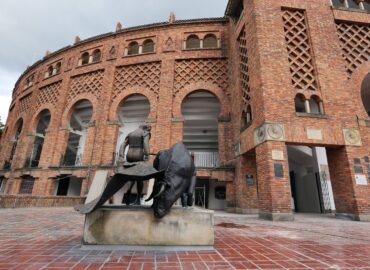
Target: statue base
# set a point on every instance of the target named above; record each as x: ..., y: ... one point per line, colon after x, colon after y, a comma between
x: 136, y: 226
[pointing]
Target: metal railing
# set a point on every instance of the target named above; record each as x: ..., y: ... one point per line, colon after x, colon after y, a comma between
x: 206, y: 159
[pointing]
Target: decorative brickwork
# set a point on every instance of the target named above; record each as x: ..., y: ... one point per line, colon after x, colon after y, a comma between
x: 86, y: 83
x: 355, y: 43
x: 24, y: 104
x: 141, y: 75
x: 48, y: 94
x: 207, y: 70
x: 299, y: 50
x: 244, y: 69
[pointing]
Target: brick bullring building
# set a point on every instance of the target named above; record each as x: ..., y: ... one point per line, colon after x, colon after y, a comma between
x: 273, y: 99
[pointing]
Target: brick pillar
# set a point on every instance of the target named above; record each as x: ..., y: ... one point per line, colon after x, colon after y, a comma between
x: 274, y: 195
x: 246, y: 191
x: 351, y: 198
x: 163, y: 126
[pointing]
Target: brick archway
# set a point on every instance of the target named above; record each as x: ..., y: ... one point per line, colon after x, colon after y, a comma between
x: 152, y: 98
x: 214, y: 89
x: 68, y: 111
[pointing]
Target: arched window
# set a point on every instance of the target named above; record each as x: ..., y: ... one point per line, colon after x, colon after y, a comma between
x: 148, y: 46
x: 96, y: 56
x: 57, y: 68
x: 299, y: 102
x: 246, y: 117
x: 315, y: 105
x: 43, y: 124
x: 210, y: 41
x: 365, y: 93
x: 133, y: 48
x: 200, y: 110
x: 15, y: 139
x: 50, y: 71
x: 85, y: 58
x: 79, y: 122
x: 193, y: 42
x: 132, y: 112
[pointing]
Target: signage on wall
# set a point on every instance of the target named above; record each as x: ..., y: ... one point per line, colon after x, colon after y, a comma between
x: 360, y: 179
x: 279, y: 170
x: 249, y: 180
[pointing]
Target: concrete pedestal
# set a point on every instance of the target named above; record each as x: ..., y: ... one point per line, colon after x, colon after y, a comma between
x: 138, y: 227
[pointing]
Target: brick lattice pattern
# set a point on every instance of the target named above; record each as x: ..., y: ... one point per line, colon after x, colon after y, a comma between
x: 86, y: 83
x: 48, y: 94
x: 24, y: 104
x: 244, y: 69
x: 355, y: 43
x: 299, y: 50
x: 146, y: 75
x: 204, y: 70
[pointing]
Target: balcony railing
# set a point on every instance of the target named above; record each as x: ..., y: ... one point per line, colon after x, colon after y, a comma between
x: 206, y: 159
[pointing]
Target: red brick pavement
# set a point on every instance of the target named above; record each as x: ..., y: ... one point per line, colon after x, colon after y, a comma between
x: 49, y: 238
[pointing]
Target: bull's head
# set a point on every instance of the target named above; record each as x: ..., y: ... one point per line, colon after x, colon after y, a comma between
x: 179, y: 168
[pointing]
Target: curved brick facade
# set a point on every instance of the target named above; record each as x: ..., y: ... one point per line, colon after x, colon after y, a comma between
x: 263, y: 57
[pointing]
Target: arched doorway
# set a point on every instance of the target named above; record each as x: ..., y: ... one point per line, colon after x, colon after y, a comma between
x: 132, y: 112
x: 365, y: 93
x: 15, y: 139
x: 200, y: 135
x: 200, y: 110
x: 80, y: 118
x: 43, y: 124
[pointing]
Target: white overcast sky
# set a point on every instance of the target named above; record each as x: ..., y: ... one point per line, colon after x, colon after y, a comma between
x: 28, y: 28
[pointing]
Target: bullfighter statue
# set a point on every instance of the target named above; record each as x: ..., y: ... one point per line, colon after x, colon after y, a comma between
x: 138, y: 143
x: 173, y: 171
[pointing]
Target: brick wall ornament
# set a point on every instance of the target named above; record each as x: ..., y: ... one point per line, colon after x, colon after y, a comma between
x: 169, y: 45
x: 24, y: 105
x: 198, y: 70
x: 69, y: 64
x: 87, y: 83
x: 355, y: 43
x: 352, y: 137
x: 244, y: 70
x: 141, y: 75
x: 269, y: 132
x: 299, y: 50
x: 112, y: 54
x: 48, y: 95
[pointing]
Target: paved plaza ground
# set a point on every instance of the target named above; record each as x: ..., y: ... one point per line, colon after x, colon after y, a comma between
x: 49, y: 238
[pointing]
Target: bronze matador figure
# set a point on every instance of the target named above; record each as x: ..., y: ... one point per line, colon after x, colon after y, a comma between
x: 138, y: 143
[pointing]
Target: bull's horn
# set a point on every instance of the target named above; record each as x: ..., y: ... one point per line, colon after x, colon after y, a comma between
x: 158, y: 193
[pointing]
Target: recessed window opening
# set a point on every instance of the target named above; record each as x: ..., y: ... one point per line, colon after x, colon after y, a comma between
x: 148, y: 46
x: 133, y: 48
x: 193, y: 42
x: 299, y: 101
x: 27, y: 183
x: 365, y: 93
x: 43, y: 124
x: 78, y: 124
x: 96, y: 56
x: 68, y: 186
x: 210, y: 41
x: 85, y: 58
x: 200, y: 132
x: 314, y: 106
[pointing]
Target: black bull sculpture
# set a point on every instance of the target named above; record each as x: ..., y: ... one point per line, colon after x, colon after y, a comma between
x: 174, y: 178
